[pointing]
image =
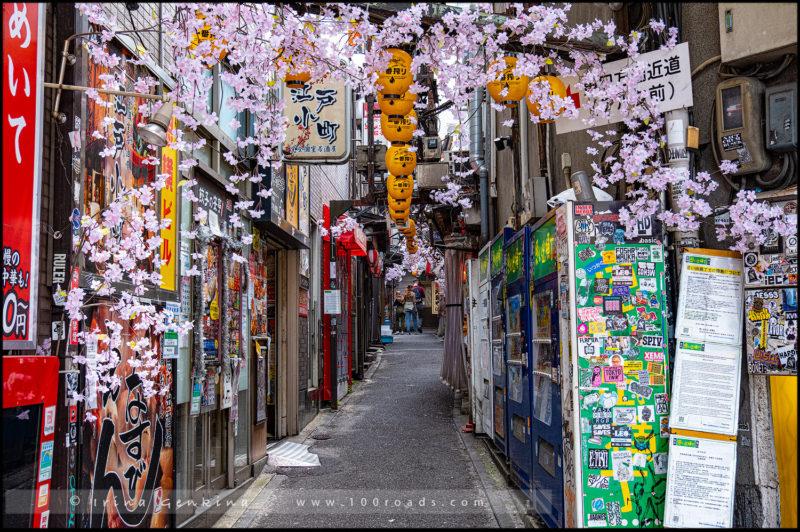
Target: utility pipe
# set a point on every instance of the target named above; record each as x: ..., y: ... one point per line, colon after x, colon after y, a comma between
x: 477, y: 157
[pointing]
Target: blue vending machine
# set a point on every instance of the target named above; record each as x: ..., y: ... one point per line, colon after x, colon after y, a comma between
x: 518, y: 337
x: 545, y: 373
x: 496, y: 298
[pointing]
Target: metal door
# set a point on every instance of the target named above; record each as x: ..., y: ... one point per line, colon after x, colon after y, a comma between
x: 547, y: 466
x: 517, y: 326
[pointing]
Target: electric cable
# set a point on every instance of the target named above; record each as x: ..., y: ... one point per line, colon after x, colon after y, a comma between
x: 769, y: 183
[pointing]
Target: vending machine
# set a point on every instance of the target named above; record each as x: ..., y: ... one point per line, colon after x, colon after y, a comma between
x: 477, y: 305
x: 610, y: 292
x: 496, y: 298
x: 518, y: 364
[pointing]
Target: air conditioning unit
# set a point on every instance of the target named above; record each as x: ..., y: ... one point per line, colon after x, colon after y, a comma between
x: 429, y: 175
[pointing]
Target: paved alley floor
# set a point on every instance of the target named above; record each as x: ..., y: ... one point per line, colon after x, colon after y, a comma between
x: 394, y: 457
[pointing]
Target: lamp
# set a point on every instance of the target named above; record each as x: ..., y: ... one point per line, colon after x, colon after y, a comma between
x: 155, y: 131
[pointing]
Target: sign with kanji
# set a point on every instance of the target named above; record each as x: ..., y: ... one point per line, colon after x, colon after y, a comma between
x: 319, y: 122
x: 667, y: 79
x: 23, y: 92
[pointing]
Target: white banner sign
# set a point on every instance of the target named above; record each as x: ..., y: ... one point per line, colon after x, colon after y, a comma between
x: 667, y: 79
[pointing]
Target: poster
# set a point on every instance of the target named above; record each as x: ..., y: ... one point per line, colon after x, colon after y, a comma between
x: 706, y: 387
x: 23, y: 40
x: 771, y: 330
x: 261, y: 383
x: 131, y: 466
x: 701, y: 481
x: 619, y: 344
x: 710, y: 302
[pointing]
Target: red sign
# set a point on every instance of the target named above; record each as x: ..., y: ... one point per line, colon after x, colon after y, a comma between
x: 23, y: 73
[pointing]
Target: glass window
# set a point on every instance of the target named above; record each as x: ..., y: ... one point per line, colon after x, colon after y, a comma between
x: 242, y: 437
x: 226, y: 113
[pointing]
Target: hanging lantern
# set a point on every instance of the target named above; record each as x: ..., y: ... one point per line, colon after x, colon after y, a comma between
x: 409, y: 228
x: 398, y: 77
x: 557, y: 88
x: 428, y: 267
x: 412, y: 250
x: 399, y: 204
x: 400, y: 187
x: 517, y: 85
x: 399, y: 130
x: 396, y: 215
x: 394, y: 106
x: 400, y: 161
x: 294, y: 78
x: 204, y: 34
x: 372, y: 256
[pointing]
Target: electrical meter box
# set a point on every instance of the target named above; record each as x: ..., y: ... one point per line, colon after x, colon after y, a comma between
x: 781, y: 105
x: 740, y: 135
x: 431, y: 149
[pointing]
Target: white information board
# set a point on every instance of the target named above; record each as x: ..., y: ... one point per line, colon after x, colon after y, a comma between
x: 706, y: 387
x: 711, y: 296
x: 701, y: 480
x: 332, y: 302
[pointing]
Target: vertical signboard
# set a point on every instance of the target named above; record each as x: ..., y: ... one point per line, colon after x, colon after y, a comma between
x: 23, y: 75
x: 169, y: 209
x: 319, y: 122
x: 618, y: 326
x: 292, y: 205
x: 303, y: 191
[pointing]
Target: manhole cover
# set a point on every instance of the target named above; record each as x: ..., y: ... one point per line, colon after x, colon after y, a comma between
x: 321, y: 436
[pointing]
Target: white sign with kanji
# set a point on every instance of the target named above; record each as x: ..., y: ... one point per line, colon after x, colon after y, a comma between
x: 319, y: 122
x: 667, y: 80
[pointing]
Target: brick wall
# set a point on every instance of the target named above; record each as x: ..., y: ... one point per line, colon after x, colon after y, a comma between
x: 328, y: 182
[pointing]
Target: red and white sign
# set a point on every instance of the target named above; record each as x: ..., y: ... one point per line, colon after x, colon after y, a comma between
x: 377, y: 132
x: 23, y: 92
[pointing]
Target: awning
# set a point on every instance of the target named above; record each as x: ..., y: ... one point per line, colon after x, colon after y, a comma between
x: 354, y: 241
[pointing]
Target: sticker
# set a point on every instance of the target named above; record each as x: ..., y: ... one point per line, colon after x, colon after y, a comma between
x: 622, y: 463
x: 609, y: 257
x: 608, y: 400
x: 595, y: 267
x: 606, y: 228
x: 591, y: 399
x: 584, y: 227
x: 621, y: 436
x: 617, y: 343
x: 582, y: 328
x: 642, y: 254
x: 644, y: 227
x: 597, y: 377
x: 602, y: 415
x: 617, y: 323
x: 660, y: 463
x: 613, y: 374
x: 157, y: 499
x: 597, y: 300
x: 598, y: 459
x: 657, y: 380
x: 44, y: 495
x: 46, y: 461
x: 639, y: 460
x: 593, y: 520
x: 621, y: 290
x: 626, y: 255
x: 654, y: 356
x: 586, y: 427
x: 662, y: 403
x: 641, y: 390
x: 589, y: 346
x: 614, y: 513
x: 611, y: 305
x: 656, y: 253
x: 596, y: 327
x: 624, y: 415
x: 49, y: 420
x: 646, y: 269
x: 590, y: 314
x: 44, y: 519
x: 664, y: 425
x: 601, y: 429
x: 632, y: 367
x: 587, y: 254
x: 598, y: 505
x: 648, y: 284
x: 646, y: 414
x: 584, y: 210
x: 598, y: 482
x: 601, y: 285
x: 651, y: 341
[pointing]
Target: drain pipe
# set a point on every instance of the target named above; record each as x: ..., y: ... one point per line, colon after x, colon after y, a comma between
x: 477, y: 159
x: 677, y: 122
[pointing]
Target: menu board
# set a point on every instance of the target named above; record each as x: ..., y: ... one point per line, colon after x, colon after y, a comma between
x: 622, y: 369
x: 710, y: 303
x: 701, y: 483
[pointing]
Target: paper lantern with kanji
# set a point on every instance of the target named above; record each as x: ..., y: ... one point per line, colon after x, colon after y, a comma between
x: 399, y: 204
x: 410, y: 229
x: 398, y: 77
x: 394, y: 105
x: 400, y: 187
x: 398, y: 217
x: 400, y: 161
x: 517, y: 85
x: 557, y: 88
x: 400, y: 130
x: 294, y: 78
x: 412, y: 249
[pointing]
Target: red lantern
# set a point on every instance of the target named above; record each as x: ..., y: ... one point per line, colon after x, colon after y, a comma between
x: 372, y: 257
x: 428, y: 268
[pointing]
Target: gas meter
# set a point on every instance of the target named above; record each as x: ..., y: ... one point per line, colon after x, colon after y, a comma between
x: 740, y: 129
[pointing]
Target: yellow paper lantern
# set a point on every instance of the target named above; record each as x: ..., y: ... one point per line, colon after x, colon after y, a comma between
x: 394, y: 105
x: 399, y: 204
x: 398, y: 77
x: 400, y: 161
x: 411, y: 228
x: 294, y: 78
x: 557, y: 88
x: 398, y: 216
x: 517, y: 85
x: 204, y: 34
x: 399, y: 187
x: 412, y: 250
x: 399, y: 130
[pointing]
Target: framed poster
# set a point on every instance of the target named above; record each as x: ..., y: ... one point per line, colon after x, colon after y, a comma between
x: 711, y: 292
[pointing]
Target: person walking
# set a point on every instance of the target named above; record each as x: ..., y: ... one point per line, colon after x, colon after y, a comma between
x: 408, y: 307
x: 442, y: 309
x: 398, y: 303
x: 419, y: 305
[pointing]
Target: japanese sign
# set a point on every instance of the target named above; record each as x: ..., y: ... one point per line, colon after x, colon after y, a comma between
x: 292, y: 200
x: 377, y: 132
x: 23, y: 75
x: 319, y: 122
x: 169, y: 209
x: 667, y: 79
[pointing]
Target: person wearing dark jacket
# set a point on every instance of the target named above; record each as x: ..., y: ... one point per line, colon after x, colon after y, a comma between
x: 398, y: 312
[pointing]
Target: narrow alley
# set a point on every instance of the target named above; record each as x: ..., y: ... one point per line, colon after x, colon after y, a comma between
x: 390, y: 456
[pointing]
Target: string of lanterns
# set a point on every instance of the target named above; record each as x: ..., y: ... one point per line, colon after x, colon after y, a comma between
x: 508, y: 89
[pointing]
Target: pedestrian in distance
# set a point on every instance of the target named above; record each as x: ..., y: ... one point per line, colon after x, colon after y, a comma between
x: 398, y: 303
x: 419, y: 305
x: 408, y: 307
